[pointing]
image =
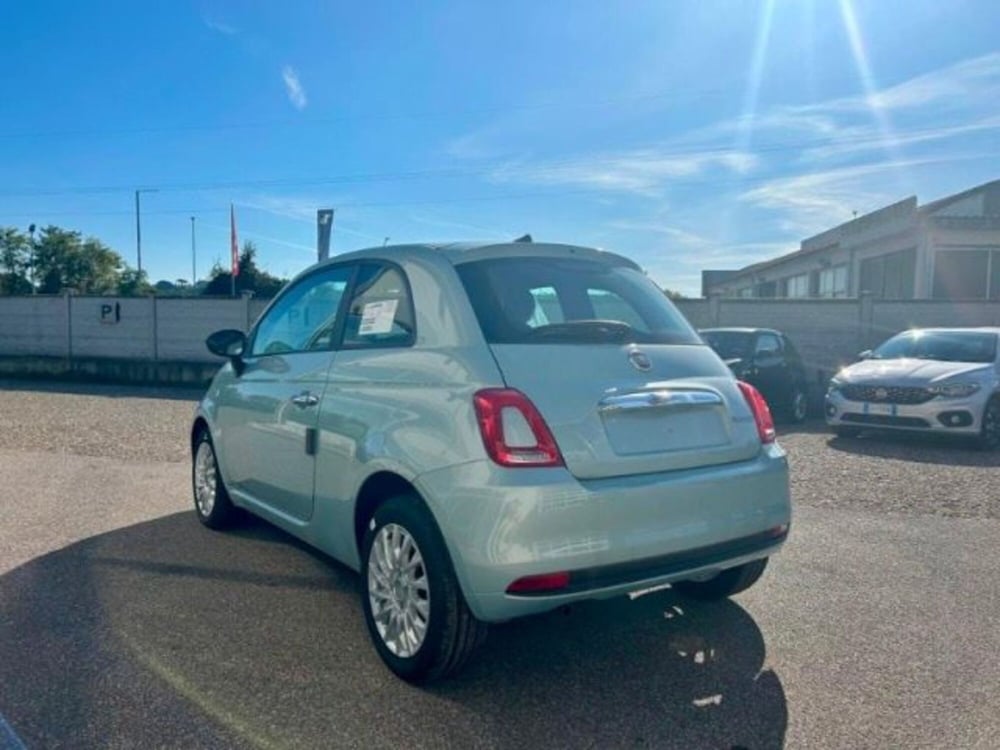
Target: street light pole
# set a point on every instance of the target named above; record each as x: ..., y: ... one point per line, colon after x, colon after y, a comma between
x: 194, y: 262
x: 138, y: 227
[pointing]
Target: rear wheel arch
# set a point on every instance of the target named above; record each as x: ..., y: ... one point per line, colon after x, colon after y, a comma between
x: 199, y: 427
x: 375, y: 490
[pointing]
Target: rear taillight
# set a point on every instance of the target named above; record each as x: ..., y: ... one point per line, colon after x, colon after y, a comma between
x: 761, y: 412
x: 513, y: 431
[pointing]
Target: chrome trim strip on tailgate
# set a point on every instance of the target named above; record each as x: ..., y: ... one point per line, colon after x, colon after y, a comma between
x: 661, y: 399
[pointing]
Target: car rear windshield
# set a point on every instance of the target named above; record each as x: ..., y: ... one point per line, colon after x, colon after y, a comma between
x: 545, y: 300
x: 729, y: 344
x: 946, y: 346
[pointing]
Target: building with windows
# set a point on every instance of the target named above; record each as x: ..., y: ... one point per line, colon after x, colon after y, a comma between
x: 947, y: 249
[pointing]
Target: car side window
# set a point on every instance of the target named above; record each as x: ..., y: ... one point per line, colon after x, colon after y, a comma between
x: 305, y: 317
x: 768, y: 345
x: 381, y: 310
x: 790, y: 351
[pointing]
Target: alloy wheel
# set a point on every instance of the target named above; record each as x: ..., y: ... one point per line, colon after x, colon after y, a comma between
x: 205, y: 478
x: 398, y: 590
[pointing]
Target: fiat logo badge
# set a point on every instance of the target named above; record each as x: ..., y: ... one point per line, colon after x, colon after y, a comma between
x: 639, y: 360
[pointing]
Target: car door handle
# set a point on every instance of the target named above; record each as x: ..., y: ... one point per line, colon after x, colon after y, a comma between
x: 305, y: 399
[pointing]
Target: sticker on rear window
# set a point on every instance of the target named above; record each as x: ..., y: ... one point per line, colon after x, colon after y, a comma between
x: 377, y: 317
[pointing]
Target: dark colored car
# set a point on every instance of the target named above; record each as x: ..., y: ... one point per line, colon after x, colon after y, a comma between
x: 767, y: 360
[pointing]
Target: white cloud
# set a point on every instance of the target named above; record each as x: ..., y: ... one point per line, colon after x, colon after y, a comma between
x: 220, y: 26
x: 971, y: 80
x: 816, y: 201
x: 952, y: 101
x: 860, y: 140
x: 680, y: 236
x: 642, y: 171
x: 293, y: 87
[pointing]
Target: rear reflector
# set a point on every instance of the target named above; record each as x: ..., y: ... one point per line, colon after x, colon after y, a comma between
x: 539, y: 584
x: 514, y: 433
x: 761, y: 412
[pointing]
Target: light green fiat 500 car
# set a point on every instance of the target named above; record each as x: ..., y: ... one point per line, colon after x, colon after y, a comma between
x: 490, y: 431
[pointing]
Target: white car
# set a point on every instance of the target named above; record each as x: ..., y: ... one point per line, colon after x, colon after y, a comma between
x: 943, y: 380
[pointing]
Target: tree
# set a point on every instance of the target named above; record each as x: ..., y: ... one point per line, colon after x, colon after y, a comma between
x: 671, y: 294
x: 133, y: 283
x: 15, y: 261
x: 250, y: 278
x: 63, y: 259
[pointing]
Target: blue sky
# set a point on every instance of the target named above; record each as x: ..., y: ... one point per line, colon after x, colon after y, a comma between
x: 684, y: 134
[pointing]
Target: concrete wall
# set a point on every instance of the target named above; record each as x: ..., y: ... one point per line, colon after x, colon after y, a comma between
x: 182, y: 325
x: 125, y: 328
x: 891, y: 317
x: 34, y: 325
x: 828, y: 333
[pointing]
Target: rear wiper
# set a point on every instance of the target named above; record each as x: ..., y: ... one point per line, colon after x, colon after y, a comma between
x: 584, y: 330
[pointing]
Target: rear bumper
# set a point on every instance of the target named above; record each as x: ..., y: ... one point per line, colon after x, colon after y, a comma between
x: 612, y: 535
x: 952, y: 416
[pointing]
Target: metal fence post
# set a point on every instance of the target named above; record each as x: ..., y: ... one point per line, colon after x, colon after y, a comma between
x: 715, y: 308
x: 156, y: 332
x: 866, y: 315
x: 69, y: 324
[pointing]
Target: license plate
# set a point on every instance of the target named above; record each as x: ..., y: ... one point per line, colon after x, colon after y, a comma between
x: 885, y: 410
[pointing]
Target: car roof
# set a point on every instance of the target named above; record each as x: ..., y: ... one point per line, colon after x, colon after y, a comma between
x: 740, y: 330
x: 463, y: 252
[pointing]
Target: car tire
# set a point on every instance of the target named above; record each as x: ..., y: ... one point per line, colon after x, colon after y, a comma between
x: 211, y: 500
x: 846, y: 432
x: 798, y: 406
x: 405, y: 562
x: 989, y: 433
x: 725, y: 584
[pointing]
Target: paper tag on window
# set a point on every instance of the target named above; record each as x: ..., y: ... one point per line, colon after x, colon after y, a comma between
x: 377, y: 317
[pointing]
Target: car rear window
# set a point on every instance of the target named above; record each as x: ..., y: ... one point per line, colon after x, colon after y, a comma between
x: 548, y: 300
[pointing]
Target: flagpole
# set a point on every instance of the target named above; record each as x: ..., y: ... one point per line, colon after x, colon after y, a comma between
x: 233, y: 250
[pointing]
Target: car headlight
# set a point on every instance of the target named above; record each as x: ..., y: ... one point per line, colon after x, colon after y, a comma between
x: 834, y: 385
x: 954, y: 390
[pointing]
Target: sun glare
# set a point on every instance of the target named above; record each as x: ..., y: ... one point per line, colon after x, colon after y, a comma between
x: 868, y: 82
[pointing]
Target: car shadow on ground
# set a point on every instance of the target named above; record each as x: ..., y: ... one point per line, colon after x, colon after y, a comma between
x: 109, y: 390
x: 921, y: 448
x: 168, y: 634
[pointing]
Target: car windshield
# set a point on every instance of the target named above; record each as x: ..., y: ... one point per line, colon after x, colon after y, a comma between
x: 729, y: 344
x: 946, y: 346
x: 546, y: 300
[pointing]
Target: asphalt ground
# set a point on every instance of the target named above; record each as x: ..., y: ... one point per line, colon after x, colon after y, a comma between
x: 125, y: 624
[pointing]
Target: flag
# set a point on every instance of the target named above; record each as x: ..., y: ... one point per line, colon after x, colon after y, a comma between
x: 324, y: 226
x: 234, y: 245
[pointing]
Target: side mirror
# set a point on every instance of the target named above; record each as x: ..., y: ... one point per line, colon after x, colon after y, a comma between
x: 228, y: 343
x: 866, y: 354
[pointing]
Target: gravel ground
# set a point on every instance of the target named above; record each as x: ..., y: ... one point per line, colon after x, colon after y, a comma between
x: 893, y: 473
x: 121, y: 422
